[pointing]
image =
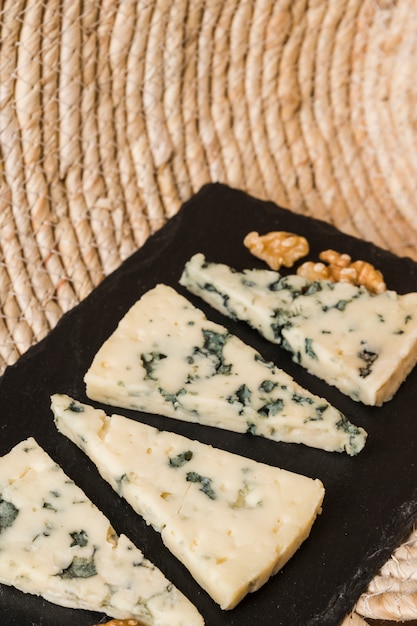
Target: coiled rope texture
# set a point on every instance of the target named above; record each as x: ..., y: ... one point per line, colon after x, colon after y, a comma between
x: 113, y: 113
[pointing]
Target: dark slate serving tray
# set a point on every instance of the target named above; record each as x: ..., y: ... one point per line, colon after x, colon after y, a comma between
x: 371, y: 500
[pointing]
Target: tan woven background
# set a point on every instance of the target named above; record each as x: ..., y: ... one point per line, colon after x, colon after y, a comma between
x: 112, y: 113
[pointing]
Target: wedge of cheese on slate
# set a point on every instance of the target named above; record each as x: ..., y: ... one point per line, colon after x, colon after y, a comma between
x: 362, y: 343
x: 55, y: 543
x: 206, y: 503
x: 166, y: 357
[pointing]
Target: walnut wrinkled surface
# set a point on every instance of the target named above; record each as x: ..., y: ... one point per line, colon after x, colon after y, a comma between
x: 314, y: 271
x: 340, y: 268
x: 277, y: 248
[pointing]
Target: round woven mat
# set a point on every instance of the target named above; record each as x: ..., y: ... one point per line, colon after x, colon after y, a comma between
x: 113, y: 113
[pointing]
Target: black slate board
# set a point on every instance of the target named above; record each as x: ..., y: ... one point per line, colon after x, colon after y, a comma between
x: 371, y: 500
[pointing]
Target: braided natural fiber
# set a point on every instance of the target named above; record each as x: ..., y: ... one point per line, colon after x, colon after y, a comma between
x: 112, y: 113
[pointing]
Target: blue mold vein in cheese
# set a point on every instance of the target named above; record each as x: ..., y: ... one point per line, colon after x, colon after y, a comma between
x: 57, y: 544
x: 364, y: 344
x: 206, y: 503
x: 166, y: 357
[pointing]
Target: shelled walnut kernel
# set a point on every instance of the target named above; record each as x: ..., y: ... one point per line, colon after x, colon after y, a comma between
x: 340, y: 268
x: 277, y: 248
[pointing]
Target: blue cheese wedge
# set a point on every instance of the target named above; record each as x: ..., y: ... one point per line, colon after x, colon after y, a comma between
x: 55, y: 543
x: 364, y: 344
x: 166, y: 357
x: 206, y: 503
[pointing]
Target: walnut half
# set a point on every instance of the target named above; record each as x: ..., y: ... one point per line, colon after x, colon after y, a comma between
x: 277, y: 248
x: 340, y: 268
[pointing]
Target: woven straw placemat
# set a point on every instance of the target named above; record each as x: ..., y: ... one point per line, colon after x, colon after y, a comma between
x: 112, y: 113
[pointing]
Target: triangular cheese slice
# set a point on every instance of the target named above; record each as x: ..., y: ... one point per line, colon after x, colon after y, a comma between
x: 206, y: 503
x: 166, y: 357
x: 364, y: 344
x: 55, y: 543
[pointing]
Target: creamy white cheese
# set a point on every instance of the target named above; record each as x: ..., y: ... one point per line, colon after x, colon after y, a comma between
x: 233, y: 522
x: 362, y: 343
x: 55, y: 543
x: 166, y: 357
